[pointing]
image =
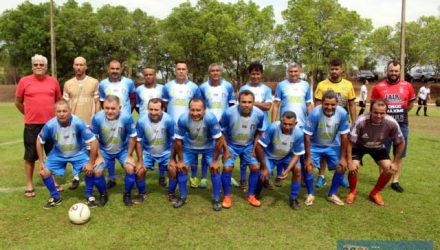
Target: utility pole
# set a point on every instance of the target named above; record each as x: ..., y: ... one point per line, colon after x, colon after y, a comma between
x: 53, y: 55
x: 402, y: 41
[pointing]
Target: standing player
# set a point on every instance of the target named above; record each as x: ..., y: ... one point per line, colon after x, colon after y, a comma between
x: 81, y: 92
x: 283, y: 144
x: 399, y: 96
x: 363, y: 95
x: 150, y: 89
x: 423, y: 97
x: 218, y: 95
x: 69, y: 135
x: 155, y: 132
x: 346, y: 99
x: 116, y: 134
x: 368, y: 136
x: 324, y: 125
x: 198, y: 132
x: 263, y: 101
x: 292, y: 94
x: 122, y: 87
x: 242, y: 125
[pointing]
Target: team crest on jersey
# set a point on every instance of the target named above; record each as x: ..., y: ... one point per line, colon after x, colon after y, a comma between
x: 309, y: 123
x: 401, y: 90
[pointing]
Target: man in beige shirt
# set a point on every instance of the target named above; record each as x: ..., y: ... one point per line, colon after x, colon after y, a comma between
x: 81, y: 92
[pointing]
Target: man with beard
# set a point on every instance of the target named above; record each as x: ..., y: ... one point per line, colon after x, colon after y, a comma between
x: 399, y: 96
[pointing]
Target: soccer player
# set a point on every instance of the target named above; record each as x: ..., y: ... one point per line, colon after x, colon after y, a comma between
x: 263, y: 101
x: 368, y: 136
x: 150, y: 89
x: 122, y: 87
x: 363, y: 95
x: 242, y: 125
x: 292, y: 94
x: 198, y: 132
x: 423, y: 97
x: 399, y: 96
x: 218, y: 95
x: 323, y: 127
x: 34, y: 98
x: 346, y: 99
x: 281, y: 144
x: 155, y: 132
x: 69, y: 135
x: 81, y: 92
x: 116, y: 132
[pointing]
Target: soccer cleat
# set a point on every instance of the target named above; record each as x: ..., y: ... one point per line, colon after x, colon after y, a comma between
x: 243, y: 185
x: 180, y: 202
x: 127, y: 200
x: 203, y: 183
x: 350, y: 198
x: 111, y: 184
x: 377, y: 199
x: 234, y: 183
x: 216, y: 206
x: 103, y: 200
x: 74, y: 184
x: 193, y: 182
x: 162, y: 181
x: 278, y: 182
x: 52, y: 202
x: 267, y: 185
x: 227, y: 202
x: 253, y: 201
x: 309, y: 200
x: 139, y: 199
x: 335, y: 200
x: 294, y: 204
x: 320, y: 182
x: 345, y: 183
x: 91, y: 202
x: 396, y: 187
x: 172, y: 198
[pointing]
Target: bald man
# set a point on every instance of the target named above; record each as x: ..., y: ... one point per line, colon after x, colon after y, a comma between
x: 81, y: 92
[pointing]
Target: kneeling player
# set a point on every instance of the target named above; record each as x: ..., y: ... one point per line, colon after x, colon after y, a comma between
x: 368, y: 136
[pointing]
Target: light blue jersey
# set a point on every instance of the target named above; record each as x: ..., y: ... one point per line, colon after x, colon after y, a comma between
x: 278, y: 145
x: 178, y: 97
x: 144, y: 94
x: 122, y: 89
x: 294, y: 97
x: 68, y: 141
x: 113, y: 136
x: 240, y: 130
x: 217, y: 98
x: 156, y: 138
x: 324, y: 130
x: 262, y: 94
x: 198, y: 134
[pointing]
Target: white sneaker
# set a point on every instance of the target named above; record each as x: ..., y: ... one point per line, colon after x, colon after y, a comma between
x: 335, y: 200
x: 309, y: 200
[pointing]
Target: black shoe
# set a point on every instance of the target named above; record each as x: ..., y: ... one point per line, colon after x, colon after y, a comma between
x: 417, y: 114
x: 74, y: 184
x: 216, y: 206
x: 243, y: 185
x: 52, y: 202
x: 162, y: 181
x: 140, y: 198
x: 91, y: 202
x: 111, y: 184
x: 267, y: 185
x: 294, y: 204
x: 127, y: 200
x: 172, y: 198
x: 278, y: 182
x: 426, y: 115
x: 180, y: 202
x: 396, y: 187
x: 258, y: 190
x: 103, y: 200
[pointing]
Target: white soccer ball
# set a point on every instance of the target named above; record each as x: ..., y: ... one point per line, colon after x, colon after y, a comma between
x: 79, y: 213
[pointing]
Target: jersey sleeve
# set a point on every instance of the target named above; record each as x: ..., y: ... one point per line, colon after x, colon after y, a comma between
x: 181, y: 128
x: 101, y: 91
x: 374, y: 94
x: 267, y: 94
x: 351, y: 95
x: 298, y: 148
x: 139, y: 131
x: 266, y: 136
x: 261, y: 122
x: 94, y: 125
x: 319, y: 92
x: 224, y: 121
x: 171, y: 129
x: 344, y: 126
x: 19, y: 92
x: 66, y: 95
x: 44, y: 134
x: 86, y: 134
x: 138, y: 97
x: 130, y: 127
x: 165, y: 93
x: 311, y: 123
x: 231, y: 94
x: 214, y: 127
x: 396, y: 134
x: 308, y: 94
x: 354, y: 132
x: 278, y: 92
x: 196, y: 90
x: 412, y: 96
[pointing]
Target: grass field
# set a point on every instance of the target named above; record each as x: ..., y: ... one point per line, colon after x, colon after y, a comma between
x: 413, y: 215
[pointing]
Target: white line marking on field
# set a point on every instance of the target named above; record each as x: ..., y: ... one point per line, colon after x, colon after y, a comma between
x: 9, y: 143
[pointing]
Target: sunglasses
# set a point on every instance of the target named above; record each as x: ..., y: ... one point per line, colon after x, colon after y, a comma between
x: 39, y: 64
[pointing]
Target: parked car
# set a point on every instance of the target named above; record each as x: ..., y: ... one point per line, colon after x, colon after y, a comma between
x: 423, y: 74
x: 363, y: 75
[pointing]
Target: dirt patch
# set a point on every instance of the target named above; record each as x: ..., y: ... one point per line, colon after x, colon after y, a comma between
x: 7, y: 93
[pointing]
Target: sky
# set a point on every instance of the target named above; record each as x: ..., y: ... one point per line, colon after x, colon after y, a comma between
x: 381, y: 12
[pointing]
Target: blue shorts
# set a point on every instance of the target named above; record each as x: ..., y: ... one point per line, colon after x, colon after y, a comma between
x: 331, y: 154
x: 191, y: 156
x: 284, y: 163
x: 57, y: 165
x: 162, y: 161
x: 111, y: 157
x: 245, y: 153
x: 389, y: 141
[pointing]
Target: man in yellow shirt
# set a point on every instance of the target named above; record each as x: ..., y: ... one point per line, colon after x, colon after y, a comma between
x: 346, y: 99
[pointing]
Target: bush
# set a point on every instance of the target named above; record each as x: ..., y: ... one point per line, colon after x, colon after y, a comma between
x: 437, y: 101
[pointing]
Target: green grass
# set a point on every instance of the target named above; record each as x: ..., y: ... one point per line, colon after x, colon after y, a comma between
x: 413, y: 215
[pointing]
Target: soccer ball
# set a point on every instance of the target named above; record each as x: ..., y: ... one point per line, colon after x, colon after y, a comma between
x: 79, y: 213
